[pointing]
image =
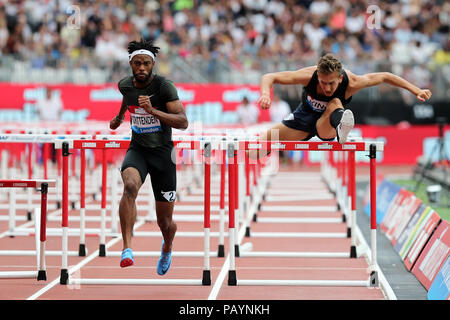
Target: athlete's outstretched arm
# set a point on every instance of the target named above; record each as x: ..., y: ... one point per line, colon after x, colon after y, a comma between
x: 357, y: 83
x: 301, y: 76
x: 175, y: 117
x: 117, y: 120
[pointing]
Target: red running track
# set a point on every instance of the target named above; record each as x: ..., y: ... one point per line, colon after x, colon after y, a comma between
x: 191, y: 267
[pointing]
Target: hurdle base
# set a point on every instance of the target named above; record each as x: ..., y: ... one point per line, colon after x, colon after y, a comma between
x: 232, y: 280
x: 236, y: 250
x: 373, y: 279
x: 221, y: 251
x: 82, y: 250
x: 206, y: 279
x: 64, y: 277
x: 42, y: 275
x: 349, y: 232
x: 102, y: 251
x: 29, y: 216
x: 353, y: 252
x: 247, y: 232
x: 255, y: 218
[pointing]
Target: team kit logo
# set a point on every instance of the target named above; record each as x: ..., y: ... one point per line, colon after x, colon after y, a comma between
x: 169, y: 195
x: 316, y: 105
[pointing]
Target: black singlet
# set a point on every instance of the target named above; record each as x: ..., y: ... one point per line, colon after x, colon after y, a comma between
x: 318, y: 103
x: 147, y: 130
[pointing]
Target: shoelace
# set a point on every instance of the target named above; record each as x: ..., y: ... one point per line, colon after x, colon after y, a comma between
x: 165, y: 257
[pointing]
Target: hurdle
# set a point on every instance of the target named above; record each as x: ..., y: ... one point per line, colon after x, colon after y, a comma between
x: 40, y: 227
x: 351, y: 147
x: 30, y: 139
x: 104, y: 144
x: 303, y: 220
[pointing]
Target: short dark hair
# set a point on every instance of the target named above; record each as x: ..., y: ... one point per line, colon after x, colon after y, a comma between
x: 329, y: 64
x: 143, y: 44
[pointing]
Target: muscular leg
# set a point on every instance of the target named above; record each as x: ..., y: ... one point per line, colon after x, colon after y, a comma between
x: 164, y: 211
x: 323, y: 125
x: 279, y: 132
x: 127, y: 207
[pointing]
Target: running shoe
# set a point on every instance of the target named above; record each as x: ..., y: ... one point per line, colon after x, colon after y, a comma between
x: 345, y: 126
x: 164, y: 261
x: 127, y: 258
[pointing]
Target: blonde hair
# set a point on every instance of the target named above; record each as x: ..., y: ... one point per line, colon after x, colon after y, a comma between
x: 329, y: 64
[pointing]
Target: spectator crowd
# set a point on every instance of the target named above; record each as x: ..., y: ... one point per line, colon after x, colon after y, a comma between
x: 240, y: 34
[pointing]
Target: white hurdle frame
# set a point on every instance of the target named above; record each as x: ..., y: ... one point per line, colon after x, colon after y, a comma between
x: 104, y: 144
x: 350, y: 147
x: 29, y: 139
x: 352, y: 253
x: 40, y: 227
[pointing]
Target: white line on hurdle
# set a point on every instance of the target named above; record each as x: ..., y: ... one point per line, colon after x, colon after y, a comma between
x: 33, y: 253
x: 18, y: 274
x: 265, y: 208
x: 17, y: 218
x: 295, y: 191
x: 299, y: 235
x: 274, y: 254
x: 302, y: 197
x: 188, y: 234
x: 326, y: 283
x: 298, y: 220
x: 24, y: 206
x: 58, y: 231
x: 158, y: 253
x: 136, y: 281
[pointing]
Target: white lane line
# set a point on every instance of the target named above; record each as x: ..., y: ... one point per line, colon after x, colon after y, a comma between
x: 223, y: 272
x: 77, y: 267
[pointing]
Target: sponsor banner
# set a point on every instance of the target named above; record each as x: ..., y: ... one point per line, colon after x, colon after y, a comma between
x: 401, y: 214
x: 439, y: 289
x: 393, y: 209
x: 408, y: 230
x: 386, y: 193
x: 433, y: 256
x: 413, y: 230
x: 210, y: 104
x: 421, y: 238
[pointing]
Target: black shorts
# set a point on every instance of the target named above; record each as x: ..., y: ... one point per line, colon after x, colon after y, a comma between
x: 305, y: 120
x: 159, y: 164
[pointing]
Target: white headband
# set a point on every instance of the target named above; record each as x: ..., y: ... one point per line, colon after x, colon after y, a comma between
x: 142, y: 51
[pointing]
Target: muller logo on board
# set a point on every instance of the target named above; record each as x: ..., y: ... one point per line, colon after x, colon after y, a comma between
x: 112, y: 144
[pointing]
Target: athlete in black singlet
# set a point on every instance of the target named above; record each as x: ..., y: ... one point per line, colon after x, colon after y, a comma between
x: 327, y: 89
x: 155, y: 109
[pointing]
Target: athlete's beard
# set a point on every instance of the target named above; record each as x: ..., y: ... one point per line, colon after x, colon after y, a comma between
x: 145, y: 79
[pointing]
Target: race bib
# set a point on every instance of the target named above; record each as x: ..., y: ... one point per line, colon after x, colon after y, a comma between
x: 143, y: 122
x: 316, y: 105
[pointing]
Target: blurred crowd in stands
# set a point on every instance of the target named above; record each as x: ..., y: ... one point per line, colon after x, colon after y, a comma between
x: 405, y: 36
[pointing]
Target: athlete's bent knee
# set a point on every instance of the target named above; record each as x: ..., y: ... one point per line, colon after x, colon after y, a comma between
x: 335, y: 102
x: 130, y: 189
